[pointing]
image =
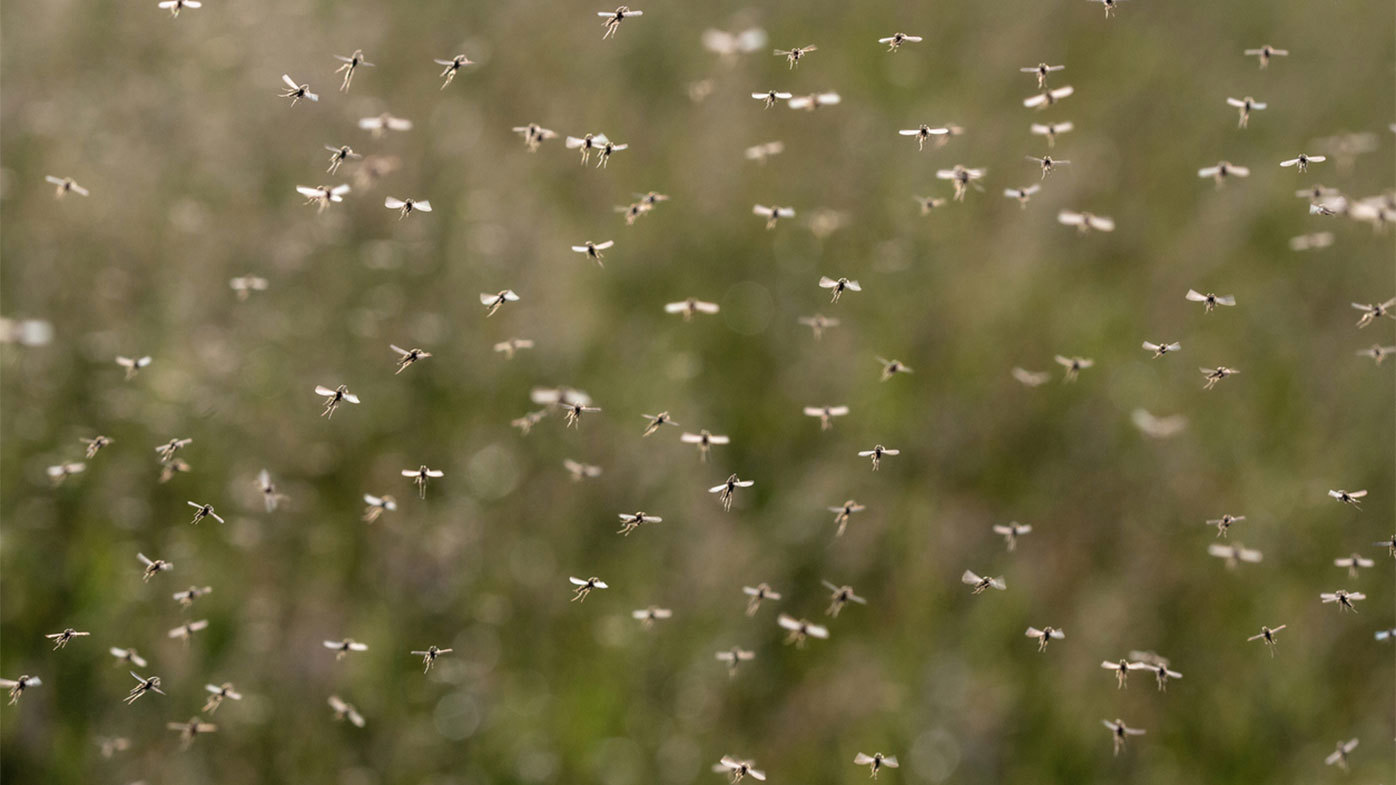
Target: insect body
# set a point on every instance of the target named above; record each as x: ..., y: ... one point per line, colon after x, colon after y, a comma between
x: 294, y: 91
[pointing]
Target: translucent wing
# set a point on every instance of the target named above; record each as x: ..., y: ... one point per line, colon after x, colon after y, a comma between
x: 423, y: 205
x: 393, y: 203
x: 291, y: 83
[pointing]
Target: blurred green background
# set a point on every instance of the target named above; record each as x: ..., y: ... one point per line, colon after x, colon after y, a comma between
x: 192, y: 160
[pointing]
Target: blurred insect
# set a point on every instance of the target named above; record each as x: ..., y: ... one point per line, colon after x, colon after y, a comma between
x: 773, y: 214
x: 153, y: 567
x: 133, y: 365
x: 335, y: 397
x: 346, y: 711
x: 793, y: 56
x: 513, y: 345
x: 322, y: 195
x: 603, y: 152
x: 1223, y: 170
x: 1209, y: 300
x: 1373, y: 311
x: 690, y: 307
x: 1158, y: 427
x: 1162, y: 673
x: 726, y: 490
x: 1044, y: 636
x: 981, y: 584
x: 1234, y: 554
x: 18, y: 686
x: 168, y: 449
x: 1377, y: 352
x: 1085, y: 222
x: 1074, y: 366
x: 655, y: 421
x: 377, y: 505
x: 840, y: 596
x: 294, y: 91
x: 1353, y: 498
x: 1307, y: 242
x: 757, y: 593
x: 704, y: 440
x: 1382, y: 635
x: 1353, y: 563
x: 270, y: 497
x: 143, y: 686
x: 648, y: 616
x: 127, y: 655
x: 1160, y: 349
x: 584, y: 587
x: 407, y: 356
x: 1267, y: 634
x: 843, y: 513
x: 962, y: 178
x: 65, y: 186
x: 838, y: 287
x: 1041, y: 70
x: 342, y: 648
x: 614, y: 18
x: 736, y: 769
x: 593, y: 250
x: 586, y: 144
x: 759, y: 153
x: 826, y: 414
x: 651, y: 198
x: 406, y: 206
x: 580, y: 471
x: 923, y: 133
x: 733, y: 657
x: 429, y: 656
x: 1389, y: 545
x: 63, y: 471
x: 384, y: 122
x: 493, y: 301
x: 814, y: 100
x: 1118, y: 730
x: 60, y: 639
x: 891, y: 368
x: 575, y: 410
x: 219, y: 693
x: 1122, y: 668
x: 1225, y: 522
x: 453, y: 67
x: 1244, y: 107
x: 420, y: 476
x: 188, y: 730
x: 1031, y: 378
x: 818, y: 323
x: 351, y: 63
x: 1022, y: 194
x: 1265, y: 53
x: 110, y: 747
x: 534, y: 135
x: 175, y: 6
x: 631, y: 522
x: 800, y: 631
x: 876, y: 761
x: 1050, y: 130
x: 1010, y: 532
x: 185, y: 632
x: 895, y: 41
x: 1048, y: 98
x: 186, y: 598
x: 1303, y: 161
x: 245, y: 285
x: 928, y: 203
x: 169, y: 470
x: 1339, y: 756
x: 877, y: 453
x: 633, y: 212
x: 727, y: 44
x: 1047, y: 163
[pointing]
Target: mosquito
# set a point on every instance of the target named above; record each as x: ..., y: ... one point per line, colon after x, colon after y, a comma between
x: 814, y: 100
x: 1244, y: 107
x: 593, y: 250
x: 407, y: 356
x: 1044, y: 636
x: 1225, y: 522
x: 758, y: 593
x: 1122, y: 669
x: 584, y: 587
x: 1373, y: 311
x: 1022, y: 194
x: 586, y: 144
x: 704, y: 440
x: 63, y: 471
x: 1047, y: 98
x: 876, y: 761
x: 1382, y: 635
x: 334, y: 398
x: 420, y: 476
x: 65, y: 186
x: 1339, y: 756
x: 1265, y: 53
x: 294, y: 91
x: 818, y: 323
x: 1352, y: 563
x: 840, y: 596
x: 127, y: 655
x: 175, y: 6
x: 648, y: 616
x: 1267, y: 634
x: 726, y: 490
x: 1215, y: 375
x: 1047, y: 163
x: 1031, y: 378
x: 429, y: 656
x: 346, y: 711
x: 657, y: 420
x: 493, y: 301
x: 603, y: 153
x: 1234, y: 554
x: 962, y: 178
x: 928, y: 203
x: 342, y: 648
x: 1223, y: 170
x: 800, y: 631
x: 534, y: 135
x: 614, y: 18
x: 376, y: 506
x: 1209, y: 300
x: 1302, y: 161
x: 1041, y: 70
x: 923, y: 133
x: 895, y: 41
x: 891, y: 368
x: 687, y: 308
x: 1389, y: 545
x: 153, y: 567
x: 143, y: 686
x: 133, y: 365
x: 245, y: 285
x: 633, y: 212
x: 1377, y: 352
x: 1162, y: 674
x: 60, y: 639
x: 631, y: 522
x: 95, y: 443
x: 406, y: 206
x: 18, y: 686
x: 186, y: 598
x: 509, y: 347
x: 838, y: 287
x: 351, y: 63
x: 383, y: 123
x: 1118, y: 730
x: 793, y: 56
x: 773, y: 214
x: 736, y: 769
x: 1074, y: 366
x: 733, y: 656
x: 185, y: 632
x: 322, y: 195
x: 453, y: 66
x: 843, y: 513
x: 1086, y: 222
x: 1160, y: 349
x: 526, y: 422
x: 826, y: 414
x: 1010, y: 532
x: 580, y: 471
x: 575, y: 410
x: 876, y: 454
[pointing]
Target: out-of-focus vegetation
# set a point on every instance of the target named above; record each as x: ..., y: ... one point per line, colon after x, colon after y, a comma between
x: 192, y: 161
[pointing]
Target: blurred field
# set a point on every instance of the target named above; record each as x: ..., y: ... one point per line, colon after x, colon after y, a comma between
x: 192, y: 160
